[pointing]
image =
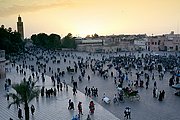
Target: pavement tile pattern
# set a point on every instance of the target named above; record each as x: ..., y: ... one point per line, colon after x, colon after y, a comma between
x: 53, y: 108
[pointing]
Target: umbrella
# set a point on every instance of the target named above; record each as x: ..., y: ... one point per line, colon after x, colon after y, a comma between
x: 177, y: 86
x: 178, y: 75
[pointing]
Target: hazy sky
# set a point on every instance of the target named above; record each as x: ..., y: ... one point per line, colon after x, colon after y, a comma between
x: 82, y: 17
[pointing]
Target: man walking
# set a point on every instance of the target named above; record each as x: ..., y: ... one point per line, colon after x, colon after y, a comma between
x: 80, y: 108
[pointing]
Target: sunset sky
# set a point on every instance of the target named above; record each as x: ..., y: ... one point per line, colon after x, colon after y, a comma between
x: 83, y: 17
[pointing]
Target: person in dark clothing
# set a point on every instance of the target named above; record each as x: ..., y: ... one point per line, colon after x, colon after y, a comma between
x: 155, y: 84
x: 163, y: 94
x: 127, y: 113
x: 80, y: 108
x: 71, y: 105
x: 61, y: 86
x: 91, y: 107
x: 88, y: 117
x: 58, y: 87
x: 160, y: 96
x: 32, y: 109
x: 88, y: 77
x: 171, y: 81
x: 86, y: 90
x: 154, y: 92
x: 177, y: 80
x: 20, y: 113
x: 89, y: 92
x: 74, y: 91
x: 147, y: 84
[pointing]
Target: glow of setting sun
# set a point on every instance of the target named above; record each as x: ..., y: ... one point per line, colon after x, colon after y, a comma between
x: 86, y: 17
x: 87, y: 28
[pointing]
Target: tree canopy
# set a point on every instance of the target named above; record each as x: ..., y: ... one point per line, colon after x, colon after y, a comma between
x: 68, y: 41
x: 53, y: 41
x: 25, y: 92
x: 10, y: 41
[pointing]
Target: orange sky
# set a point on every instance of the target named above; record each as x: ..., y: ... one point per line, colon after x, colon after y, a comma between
x: 82, y: 17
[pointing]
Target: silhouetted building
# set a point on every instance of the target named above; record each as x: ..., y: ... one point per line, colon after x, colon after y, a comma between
x: 20, y: 27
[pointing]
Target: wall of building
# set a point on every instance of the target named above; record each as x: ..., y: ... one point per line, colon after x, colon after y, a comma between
x: 116, y: 43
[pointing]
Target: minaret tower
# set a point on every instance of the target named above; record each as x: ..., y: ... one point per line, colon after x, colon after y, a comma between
x: 20, y: 27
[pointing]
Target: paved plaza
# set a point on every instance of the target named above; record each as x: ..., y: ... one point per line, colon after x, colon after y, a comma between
x: 55, y: 108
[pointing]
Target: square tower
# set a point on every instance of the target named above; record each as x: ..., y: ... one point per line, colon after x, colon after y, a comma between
x: 20, y: 27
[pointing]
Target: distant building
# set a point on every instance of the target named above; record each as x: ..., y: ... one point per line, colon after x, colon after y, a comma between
x: 106, y: 44
x: 2, y: 64
x: 155, y: 43
x: 172, y: 42
x: 91, y: 45
x: 117, y: 43
x: 20, y: 28
x: 167, y: 42
x: 140, y: 42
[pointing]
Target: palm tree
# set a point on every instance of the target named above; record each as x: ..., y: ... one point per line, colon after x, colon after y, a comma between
x: 25, y: 92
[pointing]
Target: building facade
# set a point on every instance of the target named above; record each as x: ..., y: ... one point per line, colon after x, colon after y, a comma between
x: 172, y: 42
x: 141, y: 42
x: 167, y: 42
x: 155, y: 43
x: 20, y: 27
x: 106, y: 44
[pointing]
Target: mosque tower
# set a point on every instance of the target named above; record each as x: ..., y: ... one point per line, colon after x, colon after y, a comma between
x: 20, y: 27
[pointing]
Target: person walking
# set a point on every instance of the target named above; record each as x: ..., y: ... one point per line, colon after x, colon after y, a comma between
x: 115, y: 82
x: 20, y: 113
x: 91, y: 107
x: 88, y: 117
x: 74, y: 91
x: 154, y: 92
x: 86, y: 90
x: 69, y: 104
x: 32, y: 109
x: 155, y: 84
x: 163, y: 94
x: 153, y: 76
x: 88, y: 78
x: 80, y: 108
x: 160, y: 96
x: 147, y: 84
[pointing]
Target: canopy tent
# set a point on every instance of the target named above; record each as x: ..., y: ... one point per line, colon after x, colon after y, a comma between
x: 177, y: 86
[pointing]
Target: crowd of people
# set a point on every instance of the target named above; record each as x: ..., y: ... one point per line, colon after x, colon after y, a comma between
x: 122, y: 64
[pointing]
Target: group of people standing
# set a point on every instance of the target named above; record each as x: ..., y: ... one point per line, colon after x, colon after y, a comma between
x: 80, y: 109
x: 20, y: 116
x: 91, y: 91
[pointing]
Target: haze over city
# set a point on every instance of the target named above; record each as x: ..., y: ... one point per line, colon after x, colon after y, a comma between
x: 83, y: 17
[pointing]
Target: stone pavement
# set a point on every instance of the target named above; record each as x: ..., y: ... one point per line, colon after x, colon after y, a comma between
x: 148, y: 108
x: 54, y: 108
